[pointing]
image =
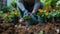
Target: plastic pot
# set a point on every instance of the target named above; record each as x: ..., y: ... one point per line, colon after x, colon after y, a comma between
x: 41, y: 20
x: 31, y: 22
x: 57, y: 18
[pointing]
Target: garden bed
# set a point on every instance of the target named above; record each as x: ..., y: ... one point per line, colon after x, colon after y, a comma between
x: 45, y: 28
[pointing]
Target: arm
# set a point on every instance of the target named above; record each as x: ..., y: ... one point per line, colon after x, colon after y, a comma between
x: 20, y: 5
x: 36, y: 6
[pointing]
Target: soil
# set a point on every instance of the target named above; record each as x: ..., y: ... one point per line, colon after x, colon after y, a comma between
x: 44, y: 28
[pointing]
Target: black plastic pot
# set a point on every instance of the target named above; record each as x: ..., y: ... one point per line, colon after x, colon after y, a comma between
x: 34, y: 22
x: 57, y: 19
x: 31, y: 22
x: 49, y: 19
x: 15, y: 20
x: 41, y: 20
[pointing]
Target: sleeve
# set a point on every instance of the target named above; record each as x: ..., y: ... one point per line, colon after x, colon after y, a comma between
x: 37, y: 5
x: 20, y: 5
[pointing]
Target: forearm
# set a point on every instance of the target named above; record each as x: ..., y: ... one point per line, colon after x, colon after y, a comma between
x: 36, y: 6
x: 21, y: 6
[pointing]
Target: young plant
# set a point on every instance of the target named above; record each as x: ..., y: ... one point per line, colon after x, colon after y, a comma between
x: 27, y: 17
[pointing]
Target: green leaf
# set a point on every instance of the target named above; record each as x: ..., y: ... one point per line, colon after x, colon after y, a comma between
x: 26, y: 17
x: 6, y: 9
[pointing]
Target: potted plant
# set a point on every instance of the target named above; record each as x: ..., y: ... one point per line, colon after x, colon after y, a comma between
x: 30, y: 19
x: 27, y: 20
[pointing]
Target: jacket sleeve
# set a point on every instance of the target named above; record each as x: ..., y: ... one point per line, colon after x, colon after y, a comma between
x: 20, y: 5
x: 37, y: 5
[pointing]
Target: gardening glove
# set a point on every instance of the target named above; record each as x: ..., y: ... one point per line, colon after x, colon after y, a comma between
x: 25, y: 12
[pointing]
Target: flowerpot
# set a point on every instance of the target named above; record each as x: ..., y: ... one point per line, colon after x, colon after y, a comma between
x: 41, y: 20
x: 31, y: 22
x: 15, y: 20
x: 52, y: 19
x: 49, y: 19
x: 57, y: 19
x: 45, y: 20
x: 28, y: 22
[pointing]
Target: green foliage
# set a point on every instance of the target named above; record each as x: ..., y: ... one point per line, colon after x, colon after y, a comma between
x: 49, y: 14
x: 12, y: 13
x: 6, y: 9
x: 43, y: 1
x: 16, y: 13
x: 57, y: 14
x: 41, y: 14
x: 47, y: 2
x: 1, y: 12
x: 8, y: 18
x: 26, y: 17
x: 14, y: 4
x: 53, y: 3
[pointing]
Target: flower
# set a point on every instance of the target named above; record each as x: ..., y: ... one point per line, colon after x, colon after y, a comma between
x: 40, y: 10
x: 16, y: 12
x: 28, y: 13
x: 46, y: 13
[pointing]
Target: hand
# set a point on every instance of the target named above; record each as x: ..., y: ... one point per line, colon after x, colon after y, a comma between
x: 21, y: 20
x: 25, y: 12
x: 33, y: 12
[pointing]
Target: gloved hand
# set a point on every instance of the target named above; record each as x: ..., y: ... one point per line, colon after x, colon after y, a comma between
x: 25, y: 12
